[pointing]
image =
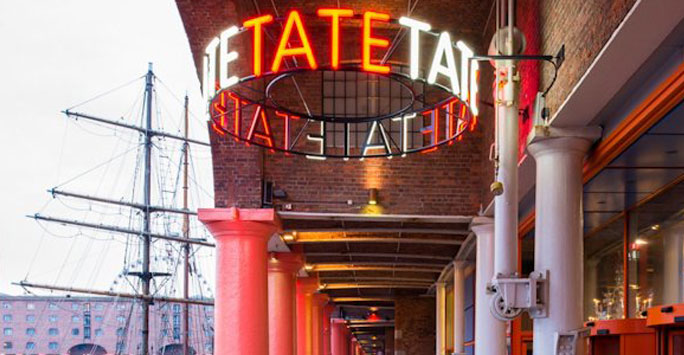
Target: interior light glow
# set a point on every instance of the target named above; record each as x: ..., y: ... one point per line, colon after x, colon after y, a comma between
x: 293, y: 20
x: 444, y: 50
x: 335, y: 15
x: 226, y: 57
x: 257, y: 23
x: 369, y: 42
x: 640, y: 242
x: 415, y: 27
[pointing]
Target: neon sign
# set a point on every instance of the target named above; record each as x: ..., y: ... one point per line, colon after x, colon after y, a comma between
x: 414, y: 101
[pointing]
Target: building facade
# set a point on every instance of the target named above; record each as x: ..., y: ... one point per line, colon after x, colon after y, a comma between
x: 97, y: 325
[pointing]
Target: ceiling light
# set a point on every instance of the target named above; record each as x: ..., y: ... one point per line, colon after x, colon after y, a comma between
x: 640, y: 242
x: 655, y: 227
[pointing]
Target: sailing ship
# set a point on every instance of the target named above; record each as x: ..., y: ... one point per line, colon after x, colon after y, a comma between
x: 163, y: 242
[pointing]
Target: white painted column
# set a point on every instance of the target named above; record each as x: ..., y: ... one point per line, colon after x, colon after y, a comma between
x: 459, y: 307
x: 490, y: 333
x: 440, y: 317
x: 673, y: 264
x: 559, y: 154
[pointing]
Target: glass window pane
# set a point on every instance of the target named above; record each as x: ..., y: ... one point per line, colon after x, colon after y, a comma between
x: 603, y: 271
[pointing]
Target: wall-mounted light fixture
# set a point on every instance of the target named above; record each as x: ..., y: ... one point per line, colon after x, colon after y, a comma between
x: 290, y: 237
x: 373, y: 196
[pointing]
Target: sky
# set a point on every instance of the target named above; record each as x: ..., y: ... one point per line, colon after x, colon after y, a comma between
x: 55, y: 55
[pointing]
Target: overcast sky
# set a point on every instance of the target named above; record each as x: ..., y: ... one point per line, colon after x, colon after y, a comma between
x: 55, y: 54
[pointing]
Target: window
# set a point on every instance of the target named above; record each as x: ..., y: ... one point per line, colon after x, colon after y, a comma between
x: 7, y: 331
x: 165, y: 332
x: 121, y: 306
x: 30, y: 306
x: 75, y: 306
x: 208, y: 347
x: 6, y: 305
x: 53, y: 319
x: 75, y: 331
x: 53, y: 345
x: 99, y: 319
x: 99, y: 306
x: 176, y: 308
x: 7, y: 345
x: 30, y: 331
x: 6, y: 318
x: 75, y: 319
x: 30, y: 318
x: 30, y: 345
x: 176, y: 327
x: 99, y: 332
x: 53, y: 331
x: 120, y: 347
x: 603, y: 271
x: 121, y: 319
x: 120, y: 332
x: 351, y: 94
x: 52, y: 306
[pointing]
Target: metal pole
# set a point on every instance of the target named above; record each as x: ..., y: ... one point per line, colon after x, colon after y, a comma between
x: 506, y: 204
x: 186, y: 234
x: 146, y: 276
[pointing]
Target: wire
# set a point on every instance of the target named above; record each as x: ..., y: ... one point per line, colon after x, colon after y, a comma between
x: 105, y: 93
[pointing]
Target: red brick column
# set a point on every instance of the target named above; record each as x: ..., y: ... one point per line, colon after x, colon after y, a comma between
x: 241, y: 305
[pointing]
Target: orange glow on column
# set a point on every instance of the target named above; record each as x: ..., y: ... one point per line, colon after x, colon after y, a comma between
x: 293, y: 19
x: 369, y: 42
x: 257, y: 23
x: 260, y: 115
x: 335, y: 15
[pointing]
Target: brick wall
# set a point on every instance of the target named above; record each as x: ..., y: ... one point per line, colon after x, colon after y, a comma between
x: 584, y: 27
x: 414, y: 326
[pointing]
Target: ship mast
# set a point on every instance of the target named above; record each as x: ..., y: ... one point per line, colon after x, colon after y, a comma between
x: 145, y: 275
x: 147, y: 209
x: 186, y: 235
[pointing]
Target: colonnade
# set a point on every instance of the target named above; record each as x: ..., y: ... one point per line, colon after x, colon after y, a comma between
x: 261, y: 307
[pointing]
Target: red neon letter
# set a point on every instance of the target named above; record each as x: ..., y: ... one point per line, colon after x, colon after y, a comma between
x: 257, y: 23
x: 335, y: 15
x: 286, y: 117
x: 433, y: 127
x: 266, y: 134
x: 369, y: 42
x: 293, y: 19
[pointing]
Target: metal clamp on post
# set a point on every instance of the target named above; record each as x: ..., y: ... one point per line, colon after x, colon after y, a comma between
x: 566, y: 343
x: 513, y: 295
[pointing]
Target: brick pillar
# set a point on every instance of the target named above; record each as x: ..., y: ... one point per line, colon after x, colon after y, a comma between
x: 241, y: 308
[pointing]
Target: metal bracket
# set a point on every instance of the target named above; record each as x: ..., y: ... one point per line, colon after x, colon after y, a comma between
x: 513, y: 295
x: 566, y: 343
